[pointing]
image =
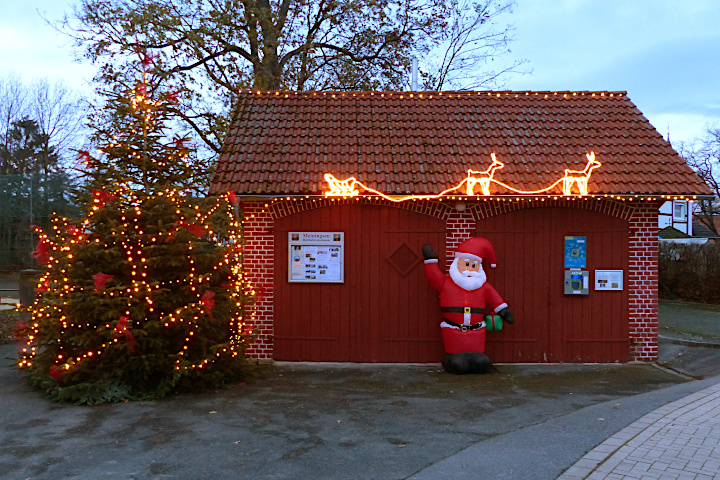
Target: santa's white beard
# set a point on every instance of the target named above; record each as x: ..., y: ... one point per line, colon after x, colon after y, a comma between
x: 468, y: 279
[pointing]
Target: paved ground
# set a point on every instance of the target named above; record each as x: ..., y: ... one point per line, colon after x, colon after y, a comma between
x: 335, y: 422
x: 680, y: 440
x: 529, y: 422
x: 338, y: 422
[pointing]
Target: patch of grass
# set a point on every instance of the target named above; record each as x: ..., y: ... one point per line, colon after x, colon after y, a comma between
x: 8, y: 323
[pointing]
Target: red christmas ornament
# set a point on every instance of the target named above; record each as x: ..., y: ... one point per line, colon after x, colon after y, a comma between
x: 122, y: 329
x: 43, y: 287
x: 100, y: 279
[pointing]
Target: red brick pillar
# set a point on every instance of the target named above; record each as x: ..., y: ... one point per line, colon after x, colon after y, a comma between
x: 643, y: 283
x: 259, y: 261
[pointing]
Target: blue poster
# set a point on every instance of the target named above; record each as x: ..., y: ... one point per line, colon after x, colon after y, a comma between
x: 575, y: 252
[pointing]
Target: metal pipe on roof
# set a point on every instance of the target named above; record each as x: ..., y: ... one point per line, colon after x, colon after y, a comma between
x: 414, y: 74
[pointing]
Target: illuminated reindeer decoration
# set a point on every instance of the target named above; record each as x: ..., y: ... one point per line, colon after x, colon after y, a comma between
x: 484, y: 181
x: 580, y: 177
x: 483, y: 178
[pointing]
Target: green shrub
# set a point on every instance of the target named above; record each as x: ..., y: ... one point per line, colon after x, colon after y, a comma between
x: 689, y: 272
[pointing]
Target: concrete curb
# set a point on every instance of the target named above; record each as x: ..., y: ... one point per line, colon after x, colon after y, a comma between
x: 689, y: 343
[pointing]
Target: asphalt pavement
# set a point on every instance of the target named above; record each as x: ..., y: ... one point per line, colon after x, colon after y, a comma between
x: 323, y: 421
x: 354, y: 421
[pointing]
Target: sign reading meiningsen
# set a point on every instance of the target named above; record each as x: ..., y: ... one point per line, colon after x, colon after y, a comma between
x: 316, y: 257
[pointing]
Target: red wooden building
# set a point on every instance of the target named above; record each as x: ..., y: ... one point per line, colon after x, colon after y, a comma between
x: 376, y: 304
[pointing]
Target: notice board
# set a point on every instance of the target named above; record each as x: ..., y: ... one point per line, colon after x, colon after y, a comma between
x: 316, y: 257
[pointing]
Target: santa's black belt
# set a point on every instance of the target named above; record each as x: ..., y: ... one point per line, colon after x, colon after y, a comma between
x: 464, y: 327
x: 479, y: 311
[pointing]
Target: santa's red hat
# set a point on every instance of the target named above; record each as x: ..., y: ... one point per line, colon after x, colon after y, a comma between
x: 477, y: 248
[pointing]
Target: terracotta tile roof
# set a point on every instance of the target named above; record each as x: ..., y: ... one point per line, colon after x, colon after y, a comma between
x: 281, y: 143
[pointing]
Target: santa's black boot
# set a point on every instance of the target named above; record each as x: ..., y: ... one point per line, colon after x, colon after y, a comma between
x: 456, y: 363
x: 481, y: 363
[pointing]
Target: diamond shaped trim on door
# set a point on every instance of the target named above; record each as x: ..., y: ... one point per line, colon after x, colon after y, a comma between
x: 404, y: 260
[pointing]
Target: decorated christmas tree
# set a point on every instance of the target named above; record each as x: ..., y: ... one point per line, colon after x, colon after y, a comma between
x: 144, y: 296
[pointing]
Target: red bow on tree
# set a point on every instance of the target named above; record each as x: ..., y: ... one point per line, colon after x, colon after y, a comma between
x: 74, y: 231
x: 232, y: 198
x: 147, y: 59
x: 196, y: 230
x: 84, y: 157
x: 41, y: 252
x: 122, y: 328
x: 208, y: 299
x: 171, y: 236
x: 103, y: 197
x: 260, y: 294
x: 141, y: 88
x: 100, y: 279
x: 20, y: 331
x: 172, y: 96
x: 180, y: 146
x: 56, y: 372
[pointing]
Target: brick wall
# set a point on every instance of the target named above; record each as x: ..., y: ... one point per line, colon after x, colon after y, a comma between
x: 258, y: 261
x: 642, y: 283
x: 460, y: 226
x: 641, y: 279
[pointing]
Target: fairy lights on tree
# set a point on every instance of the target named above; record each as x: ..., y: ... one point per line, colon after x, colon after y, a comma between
x: 145, y: 295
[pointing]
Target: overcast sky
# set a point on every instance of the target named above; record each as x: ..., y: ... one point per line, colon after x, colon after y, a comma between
x: 664, y: 53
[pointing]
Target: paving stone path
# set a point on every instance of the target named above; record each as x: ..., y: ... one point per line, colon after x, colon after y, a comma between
x: 680, y: 440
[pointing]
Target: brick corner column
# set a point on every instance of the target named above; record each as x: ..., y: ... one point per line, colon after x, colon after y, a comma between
x: 259, y: 271
x: 643, y: 284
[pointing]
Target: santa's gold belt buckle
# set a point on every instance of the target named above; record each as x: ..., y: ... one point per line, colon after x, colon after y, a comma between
x: 466, y: 310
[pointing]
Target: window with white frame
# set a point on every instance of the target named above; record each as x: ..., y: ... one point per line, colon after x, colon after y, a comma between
x: 680, y: 210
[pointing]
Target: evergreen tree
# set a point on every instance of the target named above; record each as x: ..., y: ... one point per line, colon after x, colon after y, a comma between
x: 143, y: 297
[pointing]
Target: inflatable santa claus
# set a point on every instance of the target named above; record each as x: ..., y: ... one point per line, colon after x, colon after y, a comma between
x: 464, y: 295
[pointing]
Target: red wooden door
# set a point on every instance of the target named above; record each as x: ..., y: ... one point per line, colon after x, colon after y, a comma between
x: 385, y: 311
x: 551, y: 326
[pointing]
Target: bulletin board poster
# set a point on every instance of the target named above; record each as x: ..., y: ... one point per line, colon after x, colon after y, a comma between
x: 316, y: 257
x: 608, y: 279
x: 575, y: 252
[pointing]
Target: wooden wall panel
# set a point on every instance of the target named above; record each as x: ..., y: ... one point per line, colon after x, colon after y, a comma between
x: 387, y: 312
x: 551, y: 326
x: 384, y: 312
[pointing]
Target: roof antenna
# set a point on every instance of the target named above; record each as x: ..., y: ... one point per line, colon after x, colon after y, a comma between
x: 668, y: 132
x: 414, y: 74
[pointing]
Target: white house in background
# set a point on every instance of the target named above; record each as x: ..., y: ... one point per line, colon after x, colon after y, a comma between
x: 675, y: 224
x: 676, y: 214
